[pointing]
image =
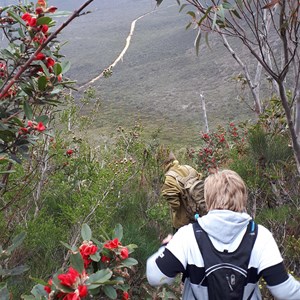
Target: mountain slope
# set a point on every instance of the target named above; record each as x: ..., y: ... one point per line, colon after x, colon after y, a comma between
x: 160, y: 77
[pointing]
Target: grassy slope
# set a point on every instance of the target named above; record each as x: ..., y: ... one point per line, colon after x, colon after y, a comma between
x: 160, y: 77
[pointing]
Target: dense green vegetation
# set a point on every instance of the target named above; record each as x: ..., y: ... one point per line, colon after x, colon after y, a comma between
x: 122, y: 179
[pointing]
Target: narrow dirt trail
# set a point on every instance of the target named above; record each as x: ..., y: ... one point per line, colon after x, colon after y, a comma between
x: 121, y: 55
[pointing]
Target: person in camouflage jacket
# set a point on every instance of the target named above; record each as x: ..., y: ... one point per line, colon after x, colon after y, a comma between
x: 172, y: 192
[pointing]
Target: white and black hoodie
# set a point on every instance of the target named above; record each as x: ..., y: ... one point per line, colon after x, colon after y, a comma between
x: 225, y: 229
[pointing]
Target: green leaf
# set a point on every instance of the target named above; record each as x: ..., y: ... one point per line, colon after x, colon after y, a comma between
x: 38, y: 281
x: 221, y: 24
x: 3, y: 126
x: 100, y: 276
x: 16, y: 242
x: 23, y: 149
x: 119, y: 281
x: 42, y: 83
x: 18, y: 270
x: 28, y: 110
x: 98, y: 243
x: 61, y: 13
x: 182, y: 7
x: 65, y: 65
x: 4, y: 294
x: 57, y: 69
x: 7, y: 135
x: 94, y: 289
x: 43, y: 118
x: 214, y: 21
x: 68, y: 246
x: 21, y: 34
x: 7, y: 54
x: 17, y: 121
x: 47, y: 133
x: 188, y: 25
x: 131, y: 247
x: 206, y: 40
x: 76, y: 262
x: 38, y: 290
x: 118, y: 232
x: 27, y: 89
x: 197, y: 42
x: 56, y: 91
x: 86, y: 232
x: 28, y: 297
x: 205, y: 15
x: 227, y: 5
x: 236, y: 14
x: 192, y: 14
x: 93, y: 286
x: 110, y: 292
x: 44, y: 67
x: 221, y: 13
x: 129, y: 262
x: 21, y: 142
x: 95, y: 257
x: 16, y: 17
x: 43, y: 21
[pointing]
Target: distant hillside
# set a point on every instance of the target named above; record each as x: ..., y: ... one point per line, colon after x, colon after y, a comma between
x: 160, y: 78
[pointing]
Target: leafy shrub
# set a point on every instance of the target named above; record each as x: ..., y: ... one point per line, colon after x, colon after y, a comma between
x: 8, y: 265
x: 217, y: 146
x: 96, y: 269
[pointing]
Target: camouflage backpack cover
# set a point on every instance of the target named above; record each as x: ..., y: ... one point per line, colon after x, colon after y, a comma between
x: 192, y: 187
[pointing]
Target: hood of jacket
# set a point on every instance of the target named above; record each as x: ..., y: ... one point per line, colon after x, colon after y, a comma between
x: 224, y: 225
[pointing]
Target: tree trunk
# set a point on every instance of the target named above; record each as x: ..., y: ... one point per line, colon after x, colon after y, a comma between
x: 43, y: 157
x: 297, y: 116
x: 204, y: 113
x: 295, y: 141
x: 254, y: 89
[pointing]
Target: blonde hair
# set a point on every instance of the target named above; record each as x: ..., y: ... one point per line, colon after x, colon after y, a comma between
x: 225, y: 190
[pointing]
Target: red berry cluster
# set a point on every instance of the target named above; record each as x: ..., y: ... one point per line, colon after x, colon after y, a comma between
x: 31, y: 19
x: 216, y: 147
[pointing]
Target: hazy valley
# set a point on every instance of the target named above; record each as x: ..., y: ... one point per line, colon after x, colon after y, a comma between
x: 160, y: 77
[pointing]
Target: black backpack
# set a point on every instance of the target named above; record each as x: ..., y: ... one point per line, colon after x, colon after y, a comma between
x: 226, y: 273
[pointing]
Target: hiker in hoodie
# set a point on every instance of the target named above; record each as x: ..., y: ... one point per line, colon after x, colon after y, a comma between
x: 225, y: 225
x: 172, y: 191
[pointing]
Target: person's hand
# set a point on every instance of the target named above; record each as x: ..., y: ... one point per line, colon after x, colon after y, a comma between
x: 167, y: 239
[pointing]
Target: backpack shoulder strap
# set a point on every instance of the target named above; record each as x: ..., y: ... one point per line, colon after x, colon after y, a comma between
x: 172, y: 173
x: 192, y: 172
x: 201, y: 236
x: 251, y: 230
x: 206, y: 247
x: 175, y: 175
